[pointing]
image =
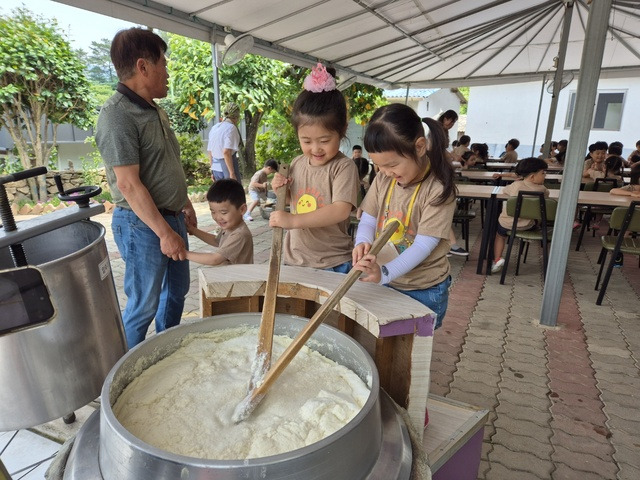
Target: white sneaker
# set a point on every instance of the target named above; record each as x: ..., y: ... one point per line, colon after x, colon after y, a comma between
x: 247, y: 217
x: 497, y: 266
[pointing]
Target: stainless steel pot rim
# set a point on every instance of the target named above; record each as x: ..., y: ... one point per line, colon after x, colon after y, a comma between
x: 198, y: 327
x: 80, y: 252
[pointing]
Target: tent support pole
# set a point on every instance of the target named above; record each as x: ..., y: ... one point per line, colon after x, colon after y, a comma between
x: 557, y: 79
x: 535, y: 133
x: 592, y: 53
x: 216, y: 82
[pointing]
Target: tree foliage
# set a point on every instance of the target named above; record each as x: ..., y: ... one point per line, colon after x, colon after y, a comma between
x: 98, y: 61
x: 263, y: 88
x: 362, y: 101
x: 42, y: 85
x: 257, y: 84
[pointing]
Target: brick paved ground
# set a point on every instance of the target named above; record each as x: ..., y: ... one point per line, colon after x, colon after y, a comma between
x: 563, y: 401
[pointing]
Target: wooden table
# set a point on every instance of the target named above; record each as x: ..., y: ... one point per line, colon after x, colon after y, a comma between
x: 395, y: 329
x: 494, y: 194
x: 485, y: 176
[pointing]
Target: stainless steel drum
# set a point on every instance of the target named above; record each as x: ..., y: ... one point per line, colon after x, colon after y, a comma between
x: 50, y: 369
x: 351, y: 453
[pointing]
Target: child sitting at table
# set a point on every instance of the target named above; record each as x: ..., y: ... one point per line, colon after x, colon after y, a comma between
x: 510, y: 155
x: 532, y: 171
x: 478, y: 155
x: 461, y: 148
x: 613, y: 168
x: 594, y: 167
x: 634, y: 156
x: 227, y: 203
x: 633, y: 189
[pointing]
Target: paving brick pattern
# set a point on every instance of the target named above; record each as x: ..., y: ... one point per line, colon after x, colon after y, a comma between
x: 563, y: 400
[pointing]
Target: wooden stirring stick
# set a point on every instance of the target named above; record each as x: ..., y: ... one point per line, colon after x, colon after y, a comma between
x: 262, y: 361
x: 251, y: 401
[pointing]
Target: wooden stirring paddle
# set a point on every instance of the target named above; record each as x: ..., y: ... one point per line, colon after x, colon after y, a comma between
x: 262, y: 361
x: 255, y: 396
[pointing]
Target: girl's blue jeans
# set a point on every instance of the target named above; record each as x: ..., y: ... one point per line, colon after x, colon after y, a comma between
x: 436, y: 298
x: 155, y: 285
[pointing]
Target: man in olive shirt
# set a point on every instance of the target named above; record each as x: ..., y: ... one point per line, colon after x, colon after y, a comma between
x: 142, y: 161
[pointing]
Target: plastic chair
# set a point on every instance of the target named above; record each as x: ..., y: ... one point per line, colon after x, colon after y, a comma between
x: 531, y: 206
x: 623, y: 220
x: 599, y: 185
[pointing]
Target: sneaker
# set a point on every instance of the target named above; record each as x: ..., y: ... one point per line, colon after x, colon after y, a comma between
x: 459, y: 251
x: 497, y: 265
x: 448, y: 255
x: 595, y: 225
x: 247, y: 217
x: 576, y: 224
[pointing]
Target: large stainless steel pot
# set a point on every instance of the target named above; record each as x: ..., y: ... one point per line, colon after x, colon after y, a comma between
x: 49, y: 370
x: 348, y: 454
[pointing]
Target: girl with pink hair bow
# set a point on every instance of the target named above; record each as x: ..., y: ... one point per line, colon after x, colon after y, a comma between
x: 323, y: 181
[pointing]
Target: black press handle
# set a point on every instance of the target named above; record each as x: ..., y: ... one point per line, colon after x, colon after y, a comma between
x: 14, y: 177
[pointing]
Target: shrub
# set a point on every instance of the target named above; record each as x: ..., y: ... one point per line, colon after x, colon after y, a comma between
x: 194, y: 160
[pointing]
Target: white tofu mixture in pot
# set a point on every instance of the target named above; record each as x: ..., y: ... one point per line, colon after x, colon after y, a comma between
x: 184, y: 403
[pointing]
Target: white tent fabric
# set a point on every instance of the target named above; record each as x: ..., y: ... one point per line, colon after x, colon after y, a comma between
x: 395, y: 43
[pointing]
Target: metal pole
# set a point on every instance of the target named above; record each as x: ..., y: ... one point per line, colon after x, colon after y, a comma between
x: 535, y: 133
x: 592, y: 53
x: 216, y: 86
x: 557, y: 79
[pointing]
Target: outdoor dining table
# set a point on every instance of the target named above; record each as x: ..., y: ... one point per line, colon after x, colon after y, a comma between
x: 501, y: 166
x: 484, y: 176
x: 494, y: 195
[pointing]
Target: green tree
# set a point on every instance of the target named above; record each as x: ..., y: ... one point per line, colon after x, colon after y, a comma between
x: 42, y: 84
x: 465, y: 93
x: 99, y: 66
x: 362, y: 101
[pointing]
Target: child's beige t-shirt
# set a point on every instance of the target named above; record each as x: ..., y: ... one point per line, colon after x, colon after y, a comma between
x: 313, y: 188
x: 510, y: 157
x: 426, y: 219
x: 236, y: 245
x: 512, y: 190
x: 258, y: 177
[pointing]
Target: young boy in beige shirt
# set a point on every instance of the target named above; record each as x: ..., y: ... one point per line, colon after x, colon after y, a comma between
x: 227, y: 203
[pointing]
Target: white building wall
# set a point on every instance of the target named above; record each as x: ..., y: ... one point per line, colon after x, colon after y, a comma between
x: 432, y: 106
x: 500, y: 112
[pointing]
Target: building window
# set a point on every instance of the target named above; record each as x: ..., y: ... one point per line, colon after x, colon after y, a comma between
x: 607, y: 114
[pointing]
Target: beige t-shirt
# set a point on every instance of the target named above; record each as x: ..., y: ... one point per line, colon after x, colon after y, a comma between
x: 258, y: 177
x: 316, y: 187
x: 426, y: 219
x: 460, y: 150
x: 510, y: 157
x: 236, y: 245
x: 512, y: 190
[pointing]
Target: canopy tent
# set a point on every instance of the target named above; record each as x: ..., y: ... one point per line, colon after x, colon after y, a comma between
x: 402, y: 43
x: 393, y: 43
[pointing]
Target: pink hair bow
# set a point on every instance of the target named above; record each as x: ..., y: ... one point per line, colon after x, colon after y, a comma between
x: 319, y: 80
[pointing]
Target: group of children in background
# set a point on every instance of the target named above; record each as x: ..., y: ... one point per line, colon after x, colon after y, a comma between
x: 416, y: 188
